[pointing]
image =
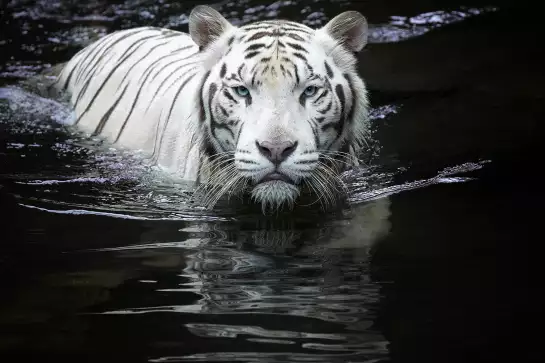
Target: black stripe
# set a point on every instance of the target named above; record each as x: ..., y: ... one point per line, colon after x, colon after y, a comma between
x: 254, y: 27
x: 327, y: 109
x: 136, y: 45
x: 254, y: 47
x: 246, y: 161
x: 138, y: 61
x: 138, y: 96
x: 352, y: 105
x: 208, y: 149
x: 238, y: 135
x: 169, y: 34
x: 294, y: 24
x: 154, y: 63
x: 297, y: 80
x: 230, y: 41
x: 223, y: 110
x: 169, y: 79
x: 215, y: 125
x: 328, y: 70
x: 283, y: 70
x: 234, y: 77
x: 234, y: 122
x: 223, y: 70
x: 88, y: 50
x: 150, y: 69
x: 228, y: 95
x: 305, y: 162
x: 174, y: 61
x: 92, y: 63
x: 337, y: 126
x: 83, y: 89
x: 95, y: 95
x: 319, y: 119
x: 145, y: 75
x: 202, y: 113
x: 299, y: 55
x: 250, y: 55
x: 302, y: 99
x: 259, y: 35
x: 316, y: 135
x: 323, y: 94
x: 340, y: 94
x: 90, y: 78
x: 211, y: 93
x: 106, y: 116
x: 171, y: 108
x: 296, y: 36
x: 82, y: 67
x: 239, y: 71
x: 297, y: 47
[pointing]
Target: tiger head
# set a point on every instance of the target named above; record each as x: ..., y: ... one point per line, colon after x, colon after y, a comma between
x: 282, y: 104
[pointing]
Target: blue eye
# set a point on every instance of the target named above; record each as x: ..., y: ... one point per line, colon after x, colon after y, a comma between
x: 242, y: 91
x: 310, y: 91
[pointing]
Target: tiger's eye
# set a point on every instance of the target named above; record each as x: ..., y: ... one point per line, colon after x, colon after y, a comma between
x: 310, y: 91
x: 242, y: 91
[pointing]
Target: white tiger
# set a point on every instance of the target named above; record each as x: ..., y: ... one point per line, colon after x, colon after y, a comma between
x: 271, y: 108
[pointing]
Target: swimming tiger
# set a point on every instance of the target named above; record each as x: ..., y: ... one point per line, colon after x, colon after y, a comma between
x: 270, y: 108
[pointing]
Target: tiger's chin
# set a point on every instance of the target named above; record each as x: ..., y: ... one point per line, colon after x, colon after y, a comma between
x: 275, y: 194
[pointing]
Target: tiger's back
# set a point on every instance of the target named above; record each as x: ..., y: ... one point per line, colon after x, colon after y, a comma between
x: 127, y: 85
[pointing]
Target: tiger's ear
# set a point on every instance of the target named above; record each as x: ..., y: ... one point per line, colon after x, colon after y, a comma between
x: 350, y: 29
x: 206, y: 25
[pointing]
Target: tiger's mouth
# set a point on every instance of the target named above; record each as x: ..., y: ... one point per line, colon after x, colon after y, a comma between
x: 276, y: 176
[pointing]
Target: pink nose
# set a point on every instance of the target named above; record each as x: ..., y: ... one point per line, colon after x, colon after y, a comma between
x: 276, y: 152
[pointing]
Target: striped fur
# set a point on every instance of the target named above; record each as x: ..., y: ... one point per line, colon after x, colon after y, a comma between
x: 182, y: 99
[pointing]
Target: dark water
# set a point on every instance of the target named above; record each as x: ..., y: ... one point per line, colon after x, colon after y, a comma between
x: 438, y: 258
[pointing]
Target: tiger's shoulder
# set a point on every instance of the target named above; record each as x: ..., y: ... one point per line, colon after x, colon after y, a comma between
x: 126, y: 87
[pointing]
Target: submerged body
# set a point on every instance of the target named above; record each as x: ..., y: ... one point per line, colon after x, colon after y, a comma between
x: 268, y: 108
x: 137, y: 88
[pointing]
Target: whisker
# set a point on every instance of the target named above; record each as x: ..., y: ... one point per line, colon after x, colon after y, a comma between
x: 318, y: 197
x: 333, y: 177
x: 322, y: 188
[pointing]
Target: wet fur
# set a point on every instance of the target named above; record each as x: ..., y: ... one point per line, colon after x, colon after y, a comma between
x: 170, y: 95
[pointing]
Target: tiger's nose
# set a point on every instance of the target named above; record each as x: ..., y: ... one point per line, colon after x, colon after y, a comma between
x: 276, y: 152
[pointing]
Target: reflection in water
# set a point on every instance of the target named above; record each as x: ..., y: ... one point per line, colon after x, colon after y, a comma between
x: 305, y: 290
x: 317, y: 274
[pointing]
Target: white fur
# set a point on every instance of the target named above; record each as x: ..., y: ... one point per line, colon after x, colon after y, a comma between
x: 165, y: 123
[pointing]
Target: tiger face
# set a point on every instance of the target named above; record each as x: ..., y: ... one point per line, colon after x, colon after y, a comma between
x: 282, y: 104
